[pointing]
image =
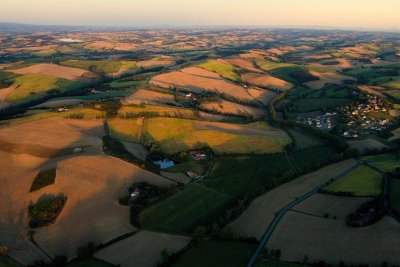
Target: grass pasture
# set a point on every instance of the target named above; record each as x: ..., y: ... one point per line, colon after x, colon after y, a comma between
x: 184, y: 210
x: 181, y: 134
x: 222, y: 67
x: 217, y: 253
x: 361, y: 182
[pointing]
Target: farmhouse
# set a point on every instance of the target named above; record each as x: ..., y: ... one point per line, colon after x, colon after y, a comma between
x: 197, y: 155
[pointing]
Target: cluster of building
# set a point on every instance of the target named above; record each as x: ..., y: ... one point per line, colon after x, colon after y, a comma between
x: 325, y: 121
x: 364, y: 118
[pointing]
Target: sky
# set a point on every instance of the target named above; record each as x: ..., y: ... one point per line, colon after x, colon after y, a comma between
x: 371, y: 14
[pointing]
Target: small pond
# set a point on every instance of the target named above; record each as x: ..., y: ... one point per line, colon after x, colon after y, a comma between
x: 164, y: 163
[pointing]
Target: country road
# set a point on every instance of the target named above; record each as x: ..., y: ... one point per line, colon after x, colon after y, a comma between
x: 266, y: 236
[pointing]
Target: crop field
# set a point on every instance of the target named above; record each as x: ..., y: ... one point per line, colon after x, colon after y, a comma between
x: 361, y: 182
x: 286, y: 71
x: 266, y: 81
x: 126, y: 130
x: 332, y: 241
x: 230, y: 175
x: 217, y: 253
x: 180, y: 135
x: 261, y: 95
x: 222, y: 67
x: 34, y: 86
x: 325, y: 78
x: 155, y: 63
x: 243, y: 64
x: 395, y: 194
x: 142, y: 249
x: 232, y: 108
x: 260, y: 213
x: 269, y: 65
x: 56, y: 71
x: 150, y: 97
x: 184, y: 210
x: 198, y: 80
x: 329, y: 206
x: 384, y: 162
x: 369, y: 144
x: 155, y: 111
x: 92, y: 212
x: 102, y: 67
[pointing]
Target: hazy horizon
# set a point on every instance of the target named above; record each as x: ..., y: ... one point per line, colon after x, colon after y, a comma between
x: 362, y: 14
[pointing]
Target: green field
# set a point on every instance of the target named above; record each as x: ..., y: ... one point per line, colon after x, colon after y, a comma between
x: 102, y: 67
x: 395, y: 84
x: 395, y: 194
x: 269, y: 65
x: 34, y: 86
x: 374, y: 74
x: 5, y: 262
x: 223, y: 68
x: 314, y: 158
x: 289, y: 72
x: 184, y: 210
x: 384, y: 162
x: 91, y: 262
x: 271, y: 263
x: 326, y: 98
x: 181, y: 135
x: 303, y: 140
x: 361, y: 182
x: 241, y: 176
x: 154, y: 111
x: 216, y: 253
